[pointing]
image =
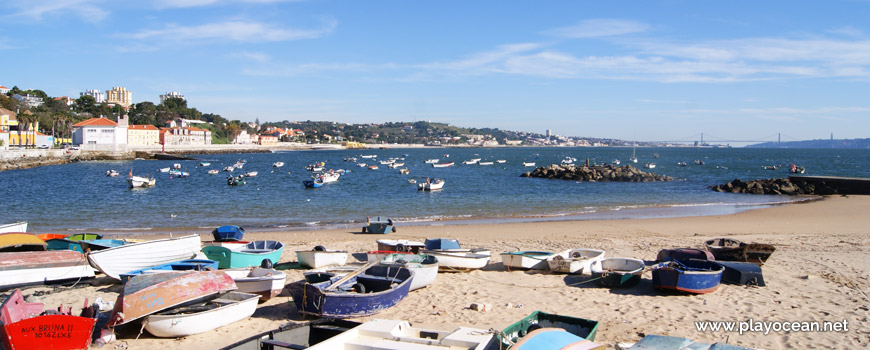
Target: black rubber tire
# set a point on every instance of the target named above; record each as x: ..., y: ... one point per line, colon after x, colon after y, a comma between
x: 319, y: 248
x: 401, y: 247
x: 394, y: 228
x: 266, y: 264
x: 359, y: 288
x: 365, y: 229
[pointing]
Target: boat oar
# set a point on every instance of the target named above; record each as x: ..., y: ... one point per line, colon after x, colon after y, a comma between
x: 351, y: 275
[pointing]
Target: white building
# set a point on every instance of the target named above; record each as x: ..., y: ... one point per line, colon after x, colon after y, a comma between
x: 100, y: 131
x: 99, y: 96
x: 4, y: 90
x: 30, y: 100
x: 171, y: 94
x: 243, y: 138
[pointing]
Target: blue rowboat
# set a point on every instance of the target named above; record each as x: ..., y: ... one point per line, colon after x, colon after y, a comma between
x: 100, y: 244
x: 183, y: 265
x: 376, y: 289
x: 577, y: 327
x: 251, y: 254
x: 312, y: 183
x: 71, y: 242
x: 554, y: 338
x: 228, y: 233
x: 379, y: 224
x: 689, y: 276
x: 441, y: 243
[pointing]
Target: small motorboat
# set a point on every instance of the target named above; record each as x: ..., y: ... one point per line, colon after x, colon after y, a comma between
x: 443, y: 165
x: 204, y: 163
x: 528, y: 164
x: 431, y: 185
x: 650, y: 165
x: 112, y: 173
x: 278, y: 164
x: 213, y: 172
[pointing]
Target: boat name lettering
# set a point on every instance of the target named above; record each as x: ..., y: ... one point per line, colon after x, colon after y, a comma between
x: 152, y: 300
x: 49, y: 331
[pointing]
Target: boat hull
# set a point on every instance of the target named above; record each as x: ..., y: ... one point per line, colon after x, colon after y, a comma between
x: 390, y: 286
x: 575, y: 261
x: 20, y: 226
x: 688, y: 276
x: 267, y: 283
x: 528, y: 260
x: 228, y: 233
x: 48, y: 332
x: 618, y: 272
x: 741, y: 273
x: 251, y: 254
x: 401, y: 245
x: 683, y: 254
x: 233, y: 307
x: 20, y: 242
x: 183, y: 265
x: 733, y: 250
x: 129, y: 257
x: 302, y: 335
x: 583, y: 328
x: 28, y: 268
x: 424, y: 267
x: 459, y: 260
x: 316, y: 259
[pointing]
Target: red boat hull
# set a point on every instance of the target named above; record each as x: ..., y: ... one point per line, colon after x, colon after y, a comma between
x: 49, y: 332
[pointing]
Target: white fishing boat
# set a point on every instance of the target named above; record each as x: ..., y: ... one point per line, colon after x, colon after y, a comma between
x: 225, y: 308
x: 396, y: 165
x: 164, y: 170
x: 485, y: 163
x: 38, y: 267
x: 615, y: 162
x: 469, y: 162
x: 618, y: 272
x: 650, y: 165
x: 139, y: 181
x: 204, y: 163
x: 251, y: 174
x: 443, y: 165
x: 267, y: 283
x: 134, y: 256
x: 500, y: 161
x: 278, y: 164
x: 369, y: 156
x: 528, y: 260
x: 321, y: 257
x: 213, y: 172
x: 176, y: 166
x: 431, y: 185
x: 528, y: 163
x: 399, y: 335
x: 330, y: 177
x: 20, y: 226
x: 453, y: 260
x: 575, y: 260
x: 387, y: 162
x: 112, y: 173
x: 431, y: 161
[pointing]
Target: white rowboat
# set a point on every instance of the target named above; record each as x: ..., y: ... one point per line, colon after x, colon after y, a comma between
x: 399, y: 335
x: 267, y: 283
x: 318, y: 258
x: 529, y: 260
x: 452, y: 260
x: 20, y: 226
x: 575, y: 260
x: 135, y: 256
x: 227, y: 308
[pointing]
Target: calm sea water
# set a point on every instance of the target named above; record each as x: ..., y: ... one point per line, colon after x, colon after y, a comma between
x: 80, y: 197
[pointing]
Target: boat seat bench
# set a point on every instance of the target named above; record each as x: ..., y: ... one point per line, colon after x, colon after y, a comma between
x: 256, y: 251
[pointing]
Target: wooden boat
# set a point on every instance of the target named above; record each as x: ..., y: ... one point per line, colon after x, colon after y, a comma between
x: 20, y: 242
x: 295, y: 335
x: 84, y: 236
x: 366, y: 293
x: 312, y: 183
x: 378, y: 255
x: 252, y: 254
x: 144, y: 295
x: 27, y: 326
x: 20, y: 226
x: 689, y: 276
x: 575, y: 260
x: 223, y: 309
x: 741, y: 273
x: 47, y: 236
x: 443, y: 165
x: 554, y: 338
x: 378, y: 224
x: 529, y: 260
x: 400, y: 245
x: 128, y: 257
x: 71, y: 242
x: 320, y: 257
x: 140, y: 181
x: 459, y: 260
x: 432, y: 185
x: 393, y: 334
x: 38, y: 267
x: 100, y: 244
x: 265, y: 282
x: 228, y: 233
x: 618, y: 272
x: 664, y: 342
x: 683, y: 254
x: 183, y: 265
x: 579, y: 327
x: 733, y: 250
x: 424, y: 267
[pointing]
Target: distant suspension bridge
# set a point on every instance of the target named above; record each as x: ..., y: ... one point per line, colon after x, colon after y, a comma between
x: 699, y: 138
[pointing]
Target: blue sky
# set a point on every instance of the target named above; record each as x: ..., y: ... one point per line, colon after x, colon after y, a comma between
x: 645, y: 70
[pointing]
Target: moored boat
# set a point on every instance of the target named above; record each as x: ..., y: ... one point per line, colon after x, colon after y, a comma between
x: 213, y: 172
x: 265, y: 282
x: 144, y: 295
x: 431, y: 185
x: 112, y: 173
x: 278, y: 164
x: 252, y: 254
x: 485, y: 163
x: 575, y: 260
x: 733, y: 250
x: 321, y: 257
x: 378, y: 224
x: 443, y: 165
x: 528, y: 164
x: 221, y: 310
x: 361, y: 293
x: 128, y: 257
x: 618, y: 272
x: 21, y: 242
x: 140, y: 181
x: 689, y: 276
x: 39, y: 267
x: 528, y: 259
x: 26, y: 326
x: 183, y: 265
x: 395, y: 334
x: 204, y: 163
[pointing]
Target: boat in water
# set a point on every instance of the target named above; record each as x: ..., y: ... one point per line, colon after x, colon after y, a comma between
x: 431, y: 185
x: 140, y: 181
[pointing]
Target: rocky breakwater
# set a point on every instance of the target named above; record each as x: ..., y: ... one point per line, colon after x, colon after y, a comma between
x: 775, y: 186
x: 594, y: 173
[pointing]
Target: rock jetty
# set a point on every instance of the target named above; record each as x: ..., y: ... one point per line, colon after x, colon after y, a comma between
x: 594, y: 173
x: 775, y: 186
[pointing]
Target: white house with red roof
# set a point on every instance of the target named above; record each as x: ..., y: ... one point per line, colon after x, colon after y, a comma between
x: 4, y: 90
x: 100, y: 132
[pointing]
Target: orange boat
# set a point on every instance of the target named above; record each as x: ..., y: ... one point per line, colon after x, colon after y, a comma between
x: 20, y: 329
x: 20, y: 242
x: 47, y: 236
x: 144, y: 295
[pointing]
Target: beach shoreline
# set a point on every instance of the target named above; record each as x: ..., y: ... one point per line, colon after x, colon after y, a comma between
x: 819, y: 272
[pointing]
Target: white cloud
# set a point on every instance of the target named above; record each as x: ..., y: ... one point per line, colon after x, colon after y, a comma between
x: 596, y: 28
x: 239, y: 31
x: 87, y: 10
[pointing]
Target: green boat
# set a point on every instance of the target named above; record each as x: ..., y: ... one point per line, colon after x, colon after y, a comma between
x: 251, y: 254
x: 580, y: 327
x: 71, y: 242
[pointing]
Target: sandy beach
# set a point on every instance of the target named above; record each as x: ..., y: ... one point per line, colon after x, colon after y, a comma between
x: 819, y: 272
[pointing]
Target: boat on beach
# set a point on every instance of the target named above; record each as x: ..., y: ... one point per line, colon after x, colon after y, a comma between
x: 360, y: 293
x: 134, y: 256
x: 425, y: 267
x: 378, y: 224
x: 25, y: 325
x: 265, y: 282
x: 400, y: 245
x: 618, y: 272
x: 21, y: 242
x: 295, y: 335
x: 42, y: 267
x: 741, y: 273
x: 729, y: 249
x: 251, y: 254
x: 575, y: 260
x: 683, y: 254
x: 20, y: 226
x: 453, y: 258
x: 665, y: 342
x: 221, y: 310
x: 321, y: 257
x: 688, y: 276
x: 527, y: 260
x: 183, y: 265
x: 228, y: 233
x: 578, y: 327
x: 394, y: 334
